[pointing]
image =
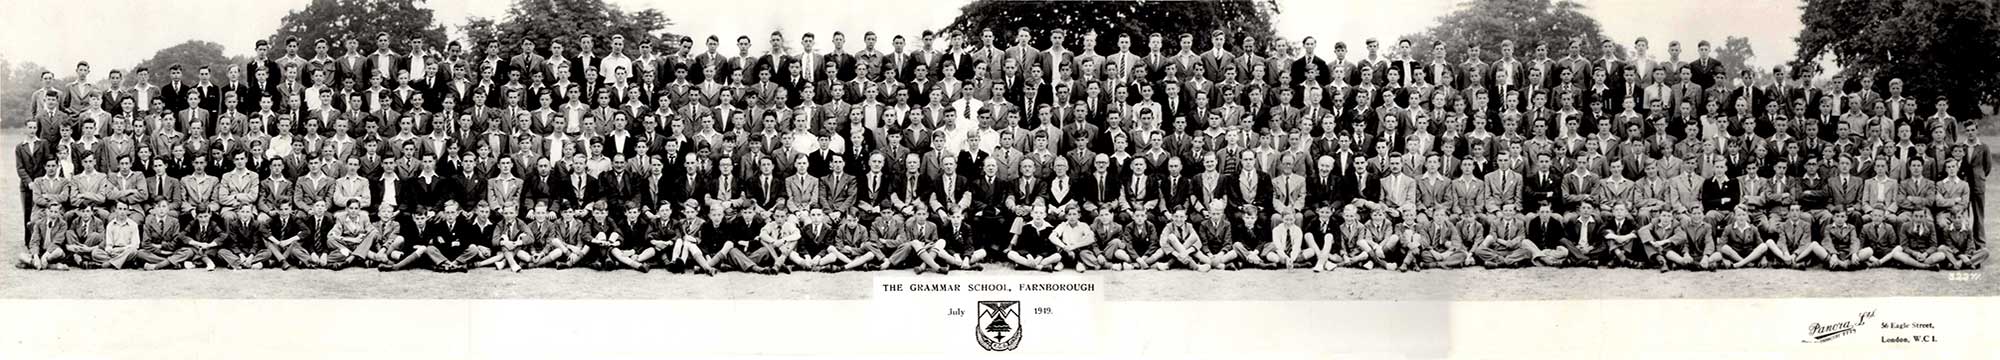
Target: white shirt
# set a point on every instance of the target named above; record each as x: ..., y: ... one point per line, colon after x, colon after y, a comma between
x: 121, y: 233
x: 608, y: 68
x: 989, y: 139
x: 1072, y: 234
x: 968, y: 111
x: 417, y: 63
x: 804, y: 142
x: 312, y: 98
x: 280, y: 146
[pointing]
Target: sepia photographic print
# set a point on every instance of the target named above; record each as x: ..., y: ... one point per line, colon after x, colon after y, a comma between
x: 923, y: 179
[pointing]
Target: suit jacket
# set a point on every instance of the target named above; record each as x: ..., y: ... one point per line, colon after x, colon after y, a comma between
x: 753, y: 188
x: 989, y: 196
x: 1546, y: 232
x: 241, y: 234
x: 621, y: 186
x: 1359, y: 186
x: 577, y: 193
x: 878, y: 194
x: 1721, y: 195
x: 1098, y: 190
x: 28, y: 162
x: 419, y: 193
x: 838, y: 192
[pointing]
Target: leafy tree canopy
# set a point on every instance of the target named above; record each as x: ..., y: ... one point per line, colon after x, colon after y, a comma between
x: 335, y: 20
x: 1110, y: 18
x: 1526, y: 22
x: 568, y: 20
x: 1938, y: 47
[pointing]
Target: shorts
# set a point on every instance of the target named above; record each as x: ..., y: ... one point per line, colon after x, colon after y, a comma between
x: 1742, y: 249
x: 810, y: 247
x: 1835, y: 250
x: 1881, y: 249
x: 1042, y: 247
x: 854, y: 251
x: 1921, y: 253
x: 1141, y: 247
x: 1395, y: 251
x: 1215, y: 246
x: 710, y: 246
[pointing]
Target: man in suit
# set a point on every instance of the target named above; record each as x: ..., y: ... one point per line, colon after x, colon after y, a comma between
x: 1545, y: 233
x: 28, y: 159
x: 1707, y: 67
x: 1362, y: 186
x: 77, y: 93
x: 174, y: 93
x: 1578, y: 187
x: 875, y: 188
x: 1023, y: 52
x: 838, y: 58
x: 425, y: 190
x: 1308, y: 60
x: 142, y: 91
x: 765, y: 188
x: 242, y: 245
x: 1247, y: 61
x: 1123, y: 61
x: 838, y: 190
x: 1541, y: 186
x: 687, y: 180
x: 1720, y: 193
x: 1687, y: 91
x: 811, y: 65
x: 988, y: 202
x: 383, y: 61
x: 622, y: 184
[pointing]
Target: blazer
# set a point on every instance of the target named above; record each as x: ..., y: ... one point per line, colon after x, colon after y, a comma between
x: 879, y: 193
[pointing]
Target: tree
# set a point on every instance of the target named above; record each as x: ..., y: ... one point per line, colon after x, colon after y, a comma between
x: 17, y: 84
x: 1735, y: 54
x: 1526, y: 22
x: 477, y: 29
x: 543, y: 20
x: 1111, y: 18
x: 190, y: 55
x: 333, y: 20
x: 1938, y: 47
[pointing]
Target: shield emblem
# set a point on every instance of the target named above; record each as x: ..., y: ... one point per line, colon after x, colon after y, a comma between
x: 998, y: 326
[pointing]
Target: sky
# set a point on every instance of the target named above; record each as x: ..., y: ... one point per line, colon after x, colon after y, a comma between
x: 124, y: 32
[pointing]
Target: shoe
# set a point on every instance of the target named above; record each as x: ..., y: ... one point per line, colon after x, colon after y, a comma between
x: 944, y: 270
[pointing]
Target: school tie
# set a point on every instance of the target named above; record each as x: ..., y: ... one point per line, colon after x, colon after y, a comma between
x: 1104, y: 191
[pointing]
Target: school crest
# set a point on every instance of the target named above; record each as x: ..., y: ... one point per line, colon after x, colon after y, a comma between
x: 998, y: 326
